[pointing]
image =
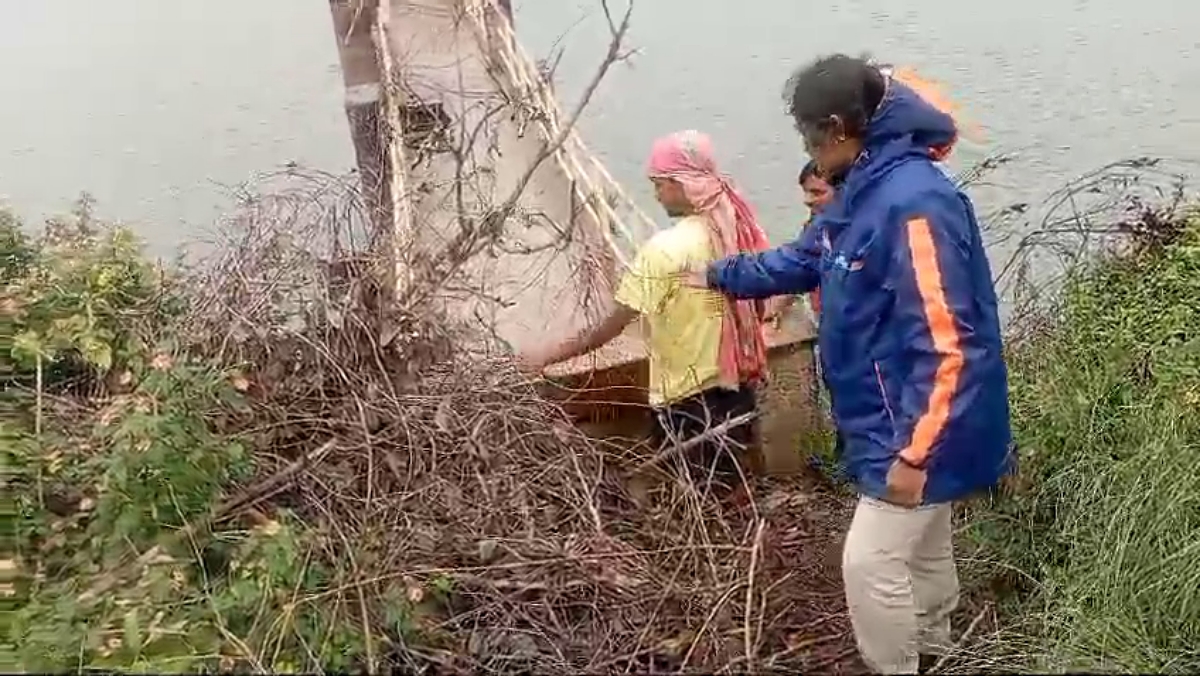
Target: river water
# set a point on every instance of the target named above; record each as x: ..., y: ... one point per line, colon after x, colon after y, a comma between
x: 156, y: 107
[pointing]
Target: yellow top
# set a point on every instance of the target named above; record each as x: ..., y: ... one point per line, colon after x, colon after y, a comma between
x: 684, y: 323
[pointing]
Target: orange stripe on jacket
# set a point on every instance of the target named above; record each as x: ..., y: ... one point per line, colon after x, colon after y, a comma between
x: 945, y: 342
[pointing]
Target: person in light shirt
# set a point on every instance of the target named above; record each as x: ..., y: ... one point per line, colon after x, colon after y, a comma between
x: 707, y: 351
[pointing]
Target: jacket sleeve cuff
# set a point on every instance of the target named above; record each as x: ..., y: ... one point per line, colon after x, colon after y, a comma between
x: 713, y: 275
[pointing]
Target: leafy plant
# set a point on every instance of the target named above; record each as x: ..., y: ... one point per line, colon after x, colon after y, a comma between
x: 107, y: 568
x: 81, y: 296
x: 1105, y: 532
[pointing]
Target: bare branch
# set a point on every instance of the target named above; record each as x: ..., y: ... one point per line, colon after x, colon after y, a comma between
x: 487, y: 490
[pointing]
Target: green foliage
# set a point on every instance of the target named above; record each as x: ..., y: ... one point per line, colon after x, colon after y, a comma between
x: 1106, y: 530
x: 81, y: 294
x: 90, y: 500
x: 16, y: 252
x: 118, y: 498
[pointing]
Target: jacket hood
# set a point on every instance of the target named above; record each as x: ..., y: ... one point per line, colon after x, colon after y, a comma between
x: 906, y: 126
x: 904, y: 114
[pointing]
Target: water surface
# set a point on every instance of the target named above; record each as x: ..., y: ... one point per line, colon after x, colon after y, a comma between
x: 155, y: 106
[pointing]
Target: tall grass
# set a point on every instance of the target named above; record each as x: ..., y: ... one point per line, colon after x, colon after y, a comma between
x: 1102, y: 538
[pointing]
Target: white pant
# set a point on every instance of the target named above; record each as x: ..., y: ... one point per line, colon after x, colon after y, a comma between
x: 901, y: 585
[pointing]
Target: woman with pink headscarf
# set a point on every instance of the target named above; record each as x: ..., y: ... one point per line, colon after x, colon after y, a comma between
x: 707, y: 351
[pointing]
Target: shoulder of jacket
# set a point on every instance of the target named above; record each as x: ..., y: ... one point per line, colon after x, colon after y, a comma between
x: 917, y: 177
x: 917, y: 187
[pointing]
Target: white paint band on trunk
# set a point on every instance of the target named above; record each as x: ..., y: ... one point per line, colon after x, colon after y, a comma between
x: 362, y: 94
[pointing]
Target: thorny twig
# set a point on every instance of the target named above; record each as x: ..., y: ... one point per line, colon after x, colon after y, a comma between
x: 707, y: 436
x: 748, y: 638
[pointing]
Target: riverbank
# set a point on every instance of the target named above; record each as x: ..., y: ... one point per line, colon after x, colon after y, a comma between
x: 296, y: 496
x: 1100, y: 543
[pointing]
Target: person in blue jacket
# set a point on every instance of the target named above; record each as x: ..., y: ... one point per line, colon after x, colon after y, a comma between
x: 910, y: 342
x: 817, y: 193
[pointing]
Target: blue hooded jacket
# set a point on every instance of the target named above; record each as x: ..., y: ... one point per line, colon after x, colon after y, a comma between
x: 910, y: 337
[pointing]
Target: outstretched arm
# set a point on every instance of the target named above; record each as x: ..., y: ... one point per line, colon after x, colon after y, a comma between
x: 587, y: 340
x: 643, y: 290
x: 792, y: 268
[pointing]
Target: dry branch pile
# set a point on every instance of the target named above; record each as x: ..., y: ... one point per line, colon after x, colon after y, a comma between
x: 435, y: 471
x: 428, y: 467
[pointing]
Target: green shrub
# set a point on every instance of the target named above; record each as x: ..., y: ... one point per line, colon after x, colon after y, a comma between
x: 79, y: 298
x: 114, y: 561
x: 1106, y: 410
x: 16, y: 251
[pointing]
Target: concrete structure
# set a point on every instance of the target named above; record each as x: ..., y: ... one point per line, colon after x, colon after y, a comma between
x: 476, y: 118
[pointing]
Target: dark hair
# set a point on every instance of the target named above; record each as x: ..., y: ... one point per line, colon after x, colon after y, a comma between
x: 810, y: 170
x: 846, y: 86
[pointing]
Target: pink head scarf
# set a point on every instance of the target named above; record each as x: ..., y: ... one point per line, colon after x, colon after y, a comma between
x: 686, y: 157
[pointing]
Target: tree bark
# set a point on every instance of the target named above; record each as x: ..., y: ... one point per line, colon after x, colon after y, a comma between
x: 352, y: 20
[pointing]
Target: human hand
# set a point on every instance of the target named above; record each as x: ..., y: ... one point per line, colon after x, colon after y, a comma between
x: 695, y: 277
x: 905, y: 484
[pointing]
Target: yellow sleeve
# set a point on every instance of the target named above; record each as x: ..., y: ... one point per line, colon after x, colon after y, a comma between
x: 649, y: 282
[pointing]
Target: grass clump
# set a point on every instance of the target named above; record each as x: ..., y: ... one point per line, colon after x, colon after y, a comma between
x: 1102, y: 536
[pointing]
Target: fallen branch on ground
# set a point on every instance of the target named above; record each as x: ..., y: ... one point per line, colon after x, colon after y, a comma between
x: 707, y: 436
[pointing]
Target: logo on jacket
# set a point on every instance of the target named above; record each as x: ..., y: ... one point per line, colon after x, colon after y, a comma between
x: 842, y: 263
